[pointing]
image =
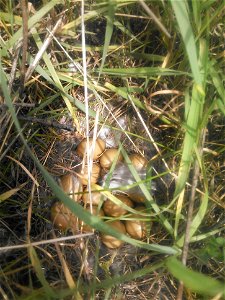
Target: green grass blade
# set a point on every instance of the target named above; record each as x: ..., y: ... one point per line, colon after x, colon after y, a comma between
x: 200, y: 215
x: 182, y: 16
x: 108, y: 283
x: 195, y: 281
x: 108, y: 32
x: 142, y: 72
x: 204, y: 236
x: 123, y: 93
x: 40, y: 273
x: 88, y: 16
x: 127, y: 32
x: 7, y: 17
x: 192, y: 128
x: 217, y: 81
x: 197, y: 220
x: 221, y: 105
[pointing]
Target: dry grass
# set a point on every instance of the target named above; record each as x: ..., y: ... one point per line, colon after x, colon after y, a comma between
x: 155, y: 105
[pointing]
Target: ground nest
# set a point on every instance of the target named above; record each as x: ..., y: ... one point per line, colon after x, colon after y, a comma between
x: 87, y: 258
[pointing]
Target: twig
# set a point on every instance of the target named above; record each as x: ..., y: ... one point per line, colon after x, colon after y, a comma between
x: 17, y: 104
x: 48, y: 123
x: 44, y: 242
x: 42, y: 50
x: 155, y: 19
x: 190, y: 214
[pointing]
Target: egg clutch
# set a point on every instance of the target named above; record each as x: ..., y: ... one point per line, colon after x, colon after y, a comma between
x: 75, y: 186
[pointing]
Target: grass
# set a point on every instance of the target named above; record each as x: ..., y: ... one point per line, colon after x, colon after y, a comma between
x: 160, y: 64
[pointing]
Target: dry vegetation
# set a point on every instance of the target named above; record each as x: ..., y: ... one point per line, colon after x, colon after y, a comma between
x: 174, y: 111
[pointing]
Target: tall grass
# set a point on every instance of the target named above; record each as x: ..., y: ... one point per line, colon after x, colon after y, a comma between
x: 176, y: 54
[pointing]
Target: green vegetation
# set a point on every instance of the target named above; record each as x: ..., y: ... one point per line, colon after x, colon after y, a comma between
x: 67, y: 69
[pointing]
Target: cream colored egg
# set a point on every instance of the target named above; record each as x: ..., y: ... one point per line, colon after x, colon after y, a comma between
x: 72, y: 186
x: 114, y: 210
x: 98, y: 144
x: 62, y: 218
x: 96, y: 212
x: 108, y: 157
x: 138, y: 161
x: 96, y: 197
x: 110, y: 241
x: 95, y: 174
x: 137, y: 228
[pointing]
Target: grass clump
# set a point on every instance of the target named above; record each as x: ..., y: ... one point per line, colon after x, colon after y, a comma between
x: 68, y: 70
